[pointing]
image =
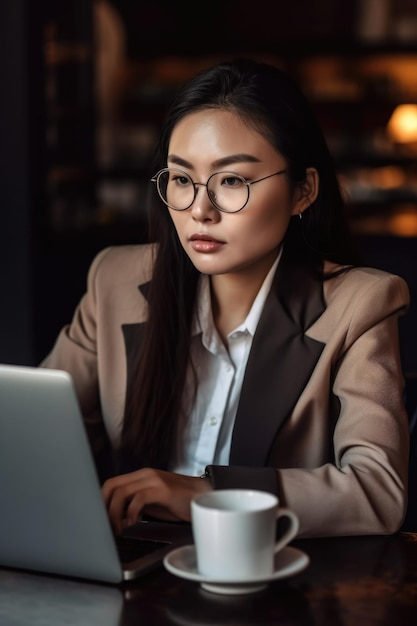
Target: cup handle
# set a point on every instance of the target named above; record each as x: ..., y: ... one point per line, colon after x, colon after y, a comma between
x: 292, y: 530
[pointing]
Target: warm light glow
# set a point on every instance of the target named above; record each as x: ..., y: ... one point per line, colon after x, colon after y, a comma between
x: 402, y: 125
x: 404, y: 224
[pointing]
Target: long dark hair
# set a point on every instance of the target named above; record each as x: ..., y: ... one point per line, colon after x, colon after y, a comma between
x: 266, y: 98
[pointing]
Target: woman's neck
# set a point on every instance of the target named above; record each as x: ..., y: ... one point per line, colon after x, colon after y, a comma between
x: 232, y: 296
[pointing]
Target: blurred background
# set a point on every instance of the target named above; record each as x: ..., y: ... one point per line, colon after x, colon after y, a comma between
x: 85, y: 83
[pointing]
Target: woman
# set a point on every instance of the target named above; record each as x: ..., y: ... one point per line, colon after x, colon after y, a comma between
x: 245, y: 345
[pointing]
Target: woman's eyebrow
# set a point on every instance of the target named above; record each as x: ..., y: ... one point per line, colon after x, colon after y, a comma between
x: 177, y: 160
x: 223, y: 162
x: 236, y: 158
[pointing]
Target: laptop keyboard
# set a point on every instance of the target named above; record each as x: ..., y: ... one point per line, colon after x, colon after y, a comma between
x: 130, y: 549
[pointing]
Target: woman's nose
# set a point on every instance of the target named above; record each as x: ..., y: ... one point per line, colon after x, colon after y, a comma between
x: 202, y: 207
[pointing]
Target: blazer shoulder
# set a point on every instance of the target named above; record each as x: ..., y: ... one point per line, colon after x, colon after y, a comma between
x: 358, y: 299
x: 356, y: 282
x: 124, y: 263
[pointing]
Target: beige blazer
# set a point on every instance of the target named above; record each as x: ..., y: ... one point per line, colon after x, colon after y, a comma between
x: 322, y: 396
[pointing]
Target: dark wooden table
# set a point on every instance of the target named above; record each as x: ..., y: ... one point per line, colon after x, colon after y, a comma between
x: 351, y: 581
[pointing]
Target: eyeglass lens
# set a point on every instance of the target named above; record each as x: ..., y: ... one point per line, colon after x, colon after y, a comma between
x: 227, y: 191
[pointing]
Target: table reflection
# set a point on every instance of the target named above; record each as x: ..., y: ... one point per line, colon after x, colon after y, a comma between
x: 285, y: 606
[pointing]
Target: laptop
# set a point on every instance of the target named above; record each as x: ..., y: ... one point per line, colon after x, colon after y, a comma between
x: 52, y: 514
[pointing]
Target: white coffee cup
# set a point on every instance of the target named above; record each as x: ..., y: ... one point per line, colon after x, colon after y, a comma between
x: 234, y: 533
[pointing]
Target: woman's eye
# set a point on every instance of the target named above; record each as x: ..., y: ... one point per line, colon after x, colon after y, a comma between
x: 232, y: 181
x: 181, y: 180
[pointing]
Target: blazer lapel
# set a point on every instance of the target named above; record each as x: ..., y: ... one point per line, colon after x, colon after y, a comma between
x: 280, y: 363
x: 133, y: 335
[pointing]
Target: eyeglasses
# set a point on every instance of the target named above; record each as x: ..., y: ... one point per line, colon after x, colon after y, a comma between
x: 228, y: 192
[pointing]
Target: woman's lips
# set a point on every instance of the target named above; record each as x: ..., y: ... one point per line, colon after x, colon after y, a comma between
x: 204, y: 243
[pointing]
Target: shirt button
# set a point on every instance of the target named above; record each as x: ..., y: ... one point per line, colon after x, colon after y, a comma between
x: 213, y: 421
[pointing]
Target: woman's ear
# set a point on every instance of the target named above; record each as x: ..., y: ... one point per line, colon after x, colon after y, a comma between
x: 306, y: 193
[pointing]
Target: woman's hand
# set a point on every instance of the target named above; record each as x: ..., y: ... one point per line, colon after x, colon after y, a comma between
x: 158, y: 493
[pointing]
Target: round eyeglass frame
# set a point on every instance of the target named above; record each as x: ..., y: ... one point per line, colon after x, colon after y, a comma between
x: 155, y: 179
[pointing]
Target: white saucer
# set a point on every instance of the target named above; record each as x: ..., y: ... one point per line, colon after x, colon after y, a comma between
x: 182, y: 563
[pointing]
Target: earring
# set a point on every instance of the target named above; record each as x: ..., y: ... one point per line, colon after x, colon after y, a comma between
x: 300, y: 215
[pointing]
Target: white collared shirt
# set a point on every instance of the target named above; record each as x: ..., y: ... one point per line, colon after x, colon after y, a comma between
x: 205, y: 433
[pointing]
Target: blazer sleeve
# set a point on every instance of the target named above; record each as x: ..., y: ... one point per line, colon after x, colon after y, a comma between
x: 75, y: 351
x: 362, y: 489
